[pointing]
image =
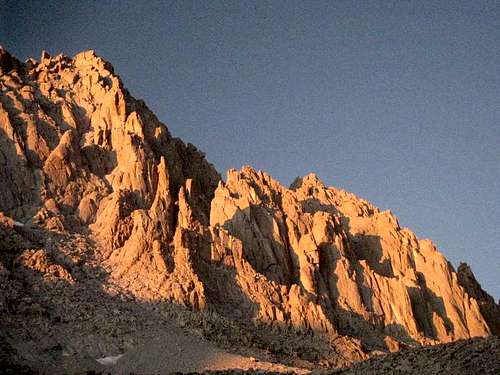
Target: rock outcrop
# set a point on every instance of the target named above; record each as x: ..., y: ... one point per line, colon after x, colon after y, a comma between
x: 356, y: 271
x: 80, y: 155
x: 79, y: 152
x: 489, y: 309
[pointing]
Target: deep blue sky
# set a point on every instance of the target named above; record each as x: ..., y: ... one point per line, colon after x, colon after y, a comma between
x: 398, y: 102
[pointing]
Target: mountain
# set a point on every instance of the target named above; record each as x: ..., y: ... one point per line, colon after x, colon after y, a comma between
x: 111, y: 224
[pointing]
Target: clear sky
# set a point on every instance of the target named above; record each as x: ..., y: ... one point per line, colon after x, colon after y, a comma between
x: 396, y: 101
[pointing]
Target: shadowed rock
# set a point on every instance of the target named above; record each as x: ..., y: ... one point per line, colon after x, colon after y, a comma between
x: 82, y: 158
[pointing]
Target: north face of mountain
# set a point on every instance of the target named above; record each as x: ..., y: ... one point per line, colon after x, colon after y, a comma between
x: 96, y: 193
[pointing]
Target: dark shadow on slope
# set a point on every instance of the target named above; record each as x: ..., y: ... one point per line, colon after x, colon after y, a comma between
x: 254, y: 226
x: 20, y: 128
x: 370, y: 327
x: 219, y: 278
x: 312, y: 205
x: 366, y: 247
x: 239, y: 324
x: 59, y: 313
x: 487, y: 304
x: 16, y: 178
x: 270, y: 256
x: 425, y: 303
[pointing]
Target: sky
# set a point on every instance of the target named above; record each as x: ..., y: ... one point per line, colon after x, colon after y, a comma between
x: 395, y: 101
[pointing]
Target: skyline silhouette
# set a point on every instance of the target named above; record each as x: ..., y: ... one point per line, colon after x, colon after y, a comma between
x: 395, y: 102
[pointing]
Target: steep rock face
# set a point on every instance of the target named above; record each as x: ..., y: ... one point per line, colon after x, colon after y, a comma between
x: 77, y: 151
x: 487, y: 305
x: 79, y: 154
x: 366, y: 274
x: 472, y: 356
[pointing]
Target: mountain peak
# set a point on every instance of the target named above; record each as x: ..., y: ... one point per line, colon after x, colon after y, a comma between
x: 309, y: 180
x: 108, y: 201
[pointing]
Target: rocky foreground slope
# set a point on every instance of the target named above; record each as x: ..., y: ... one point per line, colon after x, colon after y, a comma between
x: 101, y: 205
x: 473, y: 356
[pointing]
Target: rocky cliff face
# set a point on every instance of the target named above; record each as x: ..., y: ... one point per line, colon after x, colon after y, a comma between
x: 80, y: 155
x: 329, y: 261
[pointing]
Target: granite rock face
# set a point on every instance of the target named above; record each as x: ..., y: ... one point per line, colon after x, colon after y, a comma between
x: 339, y: 264
x: 80, y: 155
x: 489, y: 309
